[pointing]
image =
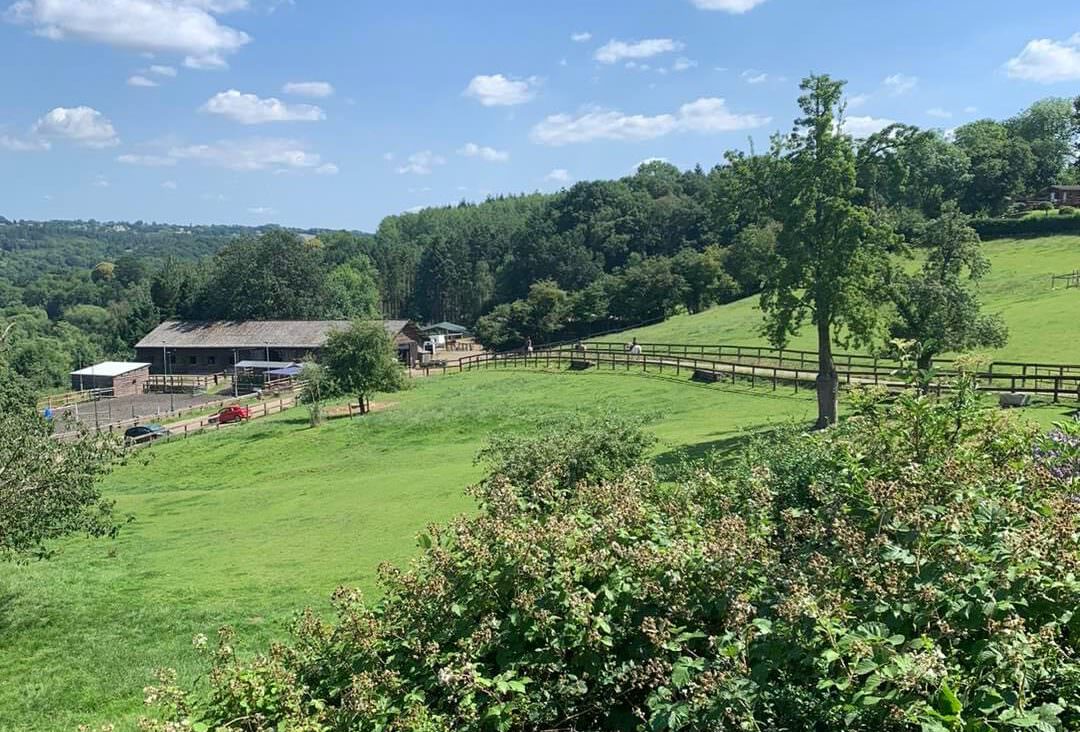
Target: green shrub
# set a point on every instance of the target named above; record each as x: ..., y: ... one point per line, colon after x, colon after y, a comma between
x: 1029, y: 227
x: 914, y: 568
x: 1066, y: 211
x: 1043, y: 206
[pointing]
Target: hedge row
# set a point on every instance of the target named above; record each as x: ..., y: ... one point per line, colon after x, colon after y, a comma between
x: 1009, y: 228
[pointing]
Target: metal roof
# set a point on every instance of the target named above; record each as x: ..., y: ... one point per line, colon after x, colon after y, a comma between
x: 264, y: 364
x: 250, y: 333
x: 110, y: 368
x: 447, y: 326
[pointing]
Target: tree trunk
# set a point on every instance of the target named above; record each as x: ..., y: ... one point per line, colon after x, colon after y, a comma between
x: 923, y: 364
x: 828, y: 383
x: 363, y: 404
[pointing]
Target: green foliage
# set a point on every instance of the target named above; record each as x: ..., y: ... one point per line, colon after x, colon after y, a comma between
x: 316, y: 387
x: 48, y: 488
x: 562, y: 456
x: 362, y: 360
x: 1027, y: 227
x: 914, y: 567
x: 938, y: 307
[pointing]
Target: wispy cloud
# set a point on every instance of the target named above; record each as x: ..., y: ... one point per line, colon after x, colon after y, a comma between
x: 614, y: 51
x: 249, y: 109
x: 490, y: 154
x: 707, y: 115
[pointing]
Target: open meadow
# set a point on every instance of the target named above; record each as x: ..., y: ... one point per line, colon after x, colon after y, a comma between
x: 1042, y: 321
x: 248, y: 525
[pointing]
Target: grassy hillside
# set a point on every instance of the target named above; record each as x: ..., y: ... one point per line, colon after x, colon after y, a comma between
x: 248, y: 525
x: 1042, y: 322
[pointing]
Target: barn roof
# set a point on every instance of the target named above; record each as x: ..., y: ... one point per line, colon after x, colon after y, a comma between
x: 250, y: 333
x: 110, y: 368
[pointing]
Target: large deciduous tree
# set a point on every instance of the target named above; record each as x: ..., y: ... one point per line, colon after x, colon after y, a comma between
x: 830, y: 254
x: 938, y: 307
x: 362, y: 361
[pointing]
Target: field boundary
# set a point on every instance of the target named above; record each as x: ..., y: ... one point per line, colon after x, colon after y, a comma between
x: 717, y: 370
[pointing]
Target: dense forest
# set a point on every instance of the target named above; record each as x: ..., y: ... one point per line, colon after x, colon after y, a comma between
x: 596, y: 256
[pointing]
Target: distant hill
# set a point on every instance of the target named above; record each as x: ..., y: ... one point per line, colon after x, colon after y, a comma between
x: 1042, y: 321
x: 29, y: 249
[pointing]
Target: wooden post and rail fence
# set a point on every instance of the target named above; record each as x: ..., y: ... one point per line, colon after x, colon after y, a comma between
x: 777, y: 366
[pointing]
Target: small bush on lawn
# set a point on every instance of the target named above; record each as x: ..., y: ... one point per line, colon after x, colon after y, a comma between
x: 1066, y: 211
x: 914, y: 568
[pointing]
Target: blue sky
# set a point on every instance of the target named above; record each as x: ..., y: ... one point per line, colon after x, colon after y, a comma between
x: 334, y: 113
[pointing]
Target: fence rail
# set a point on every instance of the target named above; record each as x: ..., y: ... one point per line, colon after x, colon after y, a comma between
x: 715, y: 369
x: 804, y: 359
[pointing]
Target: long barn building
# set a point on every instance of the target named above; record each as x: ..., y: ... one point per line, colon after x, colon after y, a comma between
x: 208, y: 347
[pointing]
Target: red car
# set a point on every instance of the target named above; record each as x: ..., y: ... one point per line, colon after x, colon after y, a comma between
x: 235, y: 413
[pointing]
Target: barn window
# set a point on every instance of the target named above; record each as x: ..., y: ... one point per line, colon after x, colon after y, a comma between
x: 193, y: 360
x: 211, y: 360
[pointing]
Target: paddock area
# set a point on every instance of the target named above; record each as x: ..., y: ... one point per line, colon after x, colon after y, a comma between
x: 137, y: 406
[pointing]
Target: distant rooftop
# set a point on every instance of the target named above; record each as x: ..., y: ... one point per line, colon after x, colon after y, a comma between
x: 250, y: 333
x: 110, y: 368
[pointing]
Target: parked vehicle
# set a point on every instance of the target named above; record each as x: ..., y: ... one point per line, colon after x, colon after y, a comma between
x: 145, y: 433
x: 233, y: 413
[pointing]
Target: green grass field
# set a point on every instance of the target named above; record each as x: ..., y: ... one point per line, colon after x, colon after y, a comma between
x: 248, y: 525
x: 1043, y: 323
x: 251, y: 524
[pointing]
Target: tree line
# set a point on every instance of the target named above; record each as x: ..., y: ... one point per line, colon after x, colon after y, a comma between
x: 597, y: 256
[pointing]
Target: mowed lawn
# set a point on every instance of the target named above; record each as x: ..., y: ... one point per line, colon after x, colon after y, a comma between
x: 248, y: 525
x: 1043, y: 323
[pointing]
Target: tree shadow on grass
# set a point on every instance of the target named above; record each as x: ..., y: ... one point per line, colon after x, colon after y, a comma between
x: 721, y: 452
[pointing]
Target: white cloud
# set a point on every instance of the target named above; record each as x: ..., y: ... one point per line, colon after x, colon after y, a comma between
x: 1047, y: 61
x: 559, y: 175
x: 261, y: 211
x: 900, y: 83
x: 82, y: 125
x: 682, y: 64
x: 614, y: 51
x: 728, y: 6
x: 327, y: 169
x: 857, y: 100
x: 706, y: 115
x: 490, y: 154
x: 184, y: 27
x: 255, y: 154
x: 24, y: 144
x: 169, y: 185
x: 101, y: 181
x: 309, y: 88
x: 249, y: 109
x: 710, y: 114
x: 860, y: 127
x: 753, y: 76
x: 169, y: 71
x: 140, y: 80
x: 497, y: 90
x: 646, y: 161
x: 150, y: 161
x: 388, y: 156
x: 581, y: 37
x: 939, y: 113
x: 415, y: 209
x: 421, y: 163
